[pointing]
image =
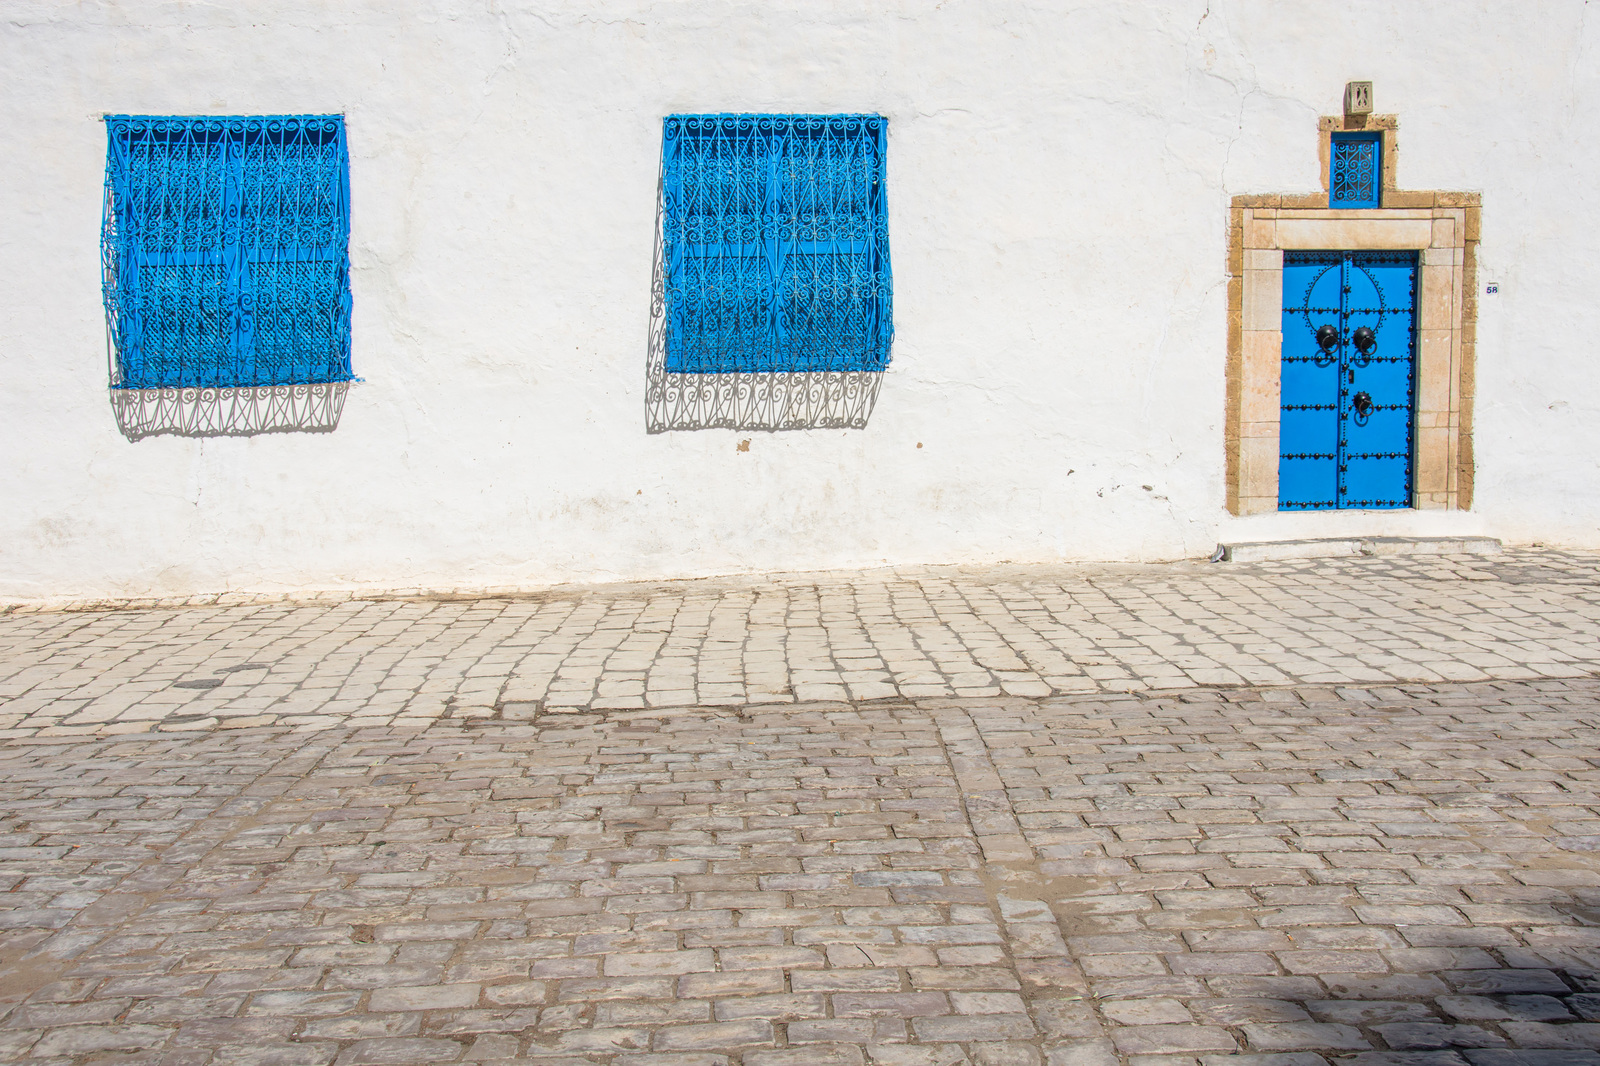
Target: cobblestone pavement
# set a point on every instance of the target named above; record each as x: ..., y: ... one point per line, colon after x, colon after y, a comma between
x: 853, y: 636
x: 1403, y: 875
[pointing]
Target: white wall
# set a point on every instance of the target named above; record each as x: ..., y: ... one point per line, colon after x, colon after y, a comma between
x: 1059, y: 176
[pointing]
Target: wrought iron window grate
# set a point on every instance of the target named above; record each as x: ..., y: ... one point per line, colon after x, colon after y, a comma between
x: 224, y: 251
x: 1355, y: 169
x: 775, y: 243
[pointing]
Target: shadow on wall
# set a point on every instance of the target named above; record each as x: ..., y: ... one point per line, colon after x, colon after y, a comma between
x: 243, y: 411
x: 771, y: 400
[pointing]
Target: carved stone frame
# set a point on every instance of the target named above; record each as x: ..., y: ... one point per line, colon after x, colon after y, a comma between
x: 1443, y: 228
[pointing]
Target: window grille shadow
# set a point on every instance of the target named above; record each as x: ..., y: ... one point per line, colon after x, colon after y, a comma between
x: 769, y: 400
x: 242, y: 411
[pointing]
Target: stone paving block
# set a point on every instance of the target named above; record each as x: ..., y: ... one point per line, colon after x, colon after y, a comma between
x: 889, y: 1004
x: 360, y: 1026
x: 1498, y: 1057
x: 848, y: 980
x: 1548, y: 1035
x: 1584, y: 1005
x: 1361, y: 1012
x: 385, y: 1052
x: 1156, y: 1011
x: 1384, y: 985
x: 919, y: 1055
x: 430, y: 997
x: 717, y: 1036
x: 810, y: 1055
x: 297, y: 1054
x: 1171, y: 1039
x: 1416, y: 1034
x: 1270, y: 987
x: 1526, y: 1008
x: 966, y: 1029
x: 77, y: 1040
x: 1082, y: 1053
x: 1296, y: 1035
x: 652, y: 963
x: 1506, y: 980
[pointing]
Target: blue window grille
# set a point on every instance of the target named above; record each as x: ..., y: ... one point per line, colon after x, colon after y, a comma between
x: 1355, y: 162
x: 225, y: 250
x: 775, y: 240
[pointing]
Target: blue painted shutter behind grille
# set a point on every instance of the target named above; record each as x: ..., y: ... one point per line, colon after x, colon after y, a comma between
x: 225, y: 250
x: 775, y: 240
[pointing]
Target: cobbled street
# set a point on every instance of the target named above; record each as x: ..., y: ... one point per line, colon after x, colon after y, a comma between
x: 802, y: 638
x: 1289, y: 814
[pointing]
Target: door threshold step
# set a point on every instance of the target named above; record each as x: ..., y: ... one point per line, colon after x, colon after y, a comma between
x: 1272, y: 550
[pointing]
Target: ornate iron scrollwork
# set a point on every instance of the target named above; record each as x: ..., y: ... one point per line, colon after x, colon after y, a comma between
x: 771, y: 301
x: 1355, y: 170
x: 224, y: 252
x: 776, y: 243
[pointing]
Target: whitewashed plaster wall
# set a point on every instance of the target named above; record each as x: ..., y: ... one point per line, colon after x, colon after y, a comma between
x: 1059, y: 177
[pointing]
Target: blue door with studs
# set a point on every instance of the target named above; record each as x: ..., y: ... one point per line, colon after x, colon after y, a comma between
x: 1349, y: 353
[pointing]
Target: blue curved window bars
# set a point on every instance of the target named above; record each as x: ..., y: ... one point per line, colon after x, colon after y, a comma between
x: 225, y: 250
x: 775, y: 238
x: 1355, y: 169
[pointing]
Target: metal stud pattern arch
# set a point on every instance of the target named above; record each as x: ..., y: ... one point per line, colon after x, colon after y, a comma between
x: 776, y: 243
x: 224, y: 251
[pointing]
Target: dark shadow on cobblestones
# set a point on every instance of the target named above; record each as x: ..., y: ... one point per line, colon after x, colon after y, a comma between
x: 1483, y: 1007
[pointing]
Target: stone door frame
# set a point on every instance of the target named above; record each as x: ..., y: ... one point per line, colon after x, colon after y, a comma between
x: 1443, y: 228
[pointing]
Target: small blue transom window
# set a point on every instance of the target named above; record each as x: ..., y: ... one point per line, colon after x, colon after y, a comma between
x: 225, y: 250
x: 1355, y: 162
x: 775, y: 241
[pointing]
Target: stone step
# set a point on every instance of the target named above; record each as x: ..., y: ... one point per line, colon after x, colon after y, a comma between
x: 1333, y: 547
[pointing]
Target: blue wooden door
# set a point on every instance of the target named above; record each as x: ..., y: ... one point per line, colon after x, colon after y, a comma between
x: 1349, y: 350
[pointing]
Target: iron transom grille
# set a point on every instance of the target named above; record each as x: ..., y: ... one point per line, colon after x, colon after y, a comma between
x: 776, y: 243
x: 224, y: 251
x: 1355, y: 163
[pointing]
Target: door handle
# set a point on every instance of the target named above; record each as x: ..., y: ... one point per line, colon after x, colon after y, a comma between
x: 1327, y: 339
x: 1363, y: 405
x: 1365, y: 340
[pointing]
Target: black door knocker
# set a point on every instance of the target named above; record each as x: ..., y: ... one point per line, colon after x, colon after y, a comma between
x: 1365, y: 340
x: 1364, y: 407
x: 1327, y: 339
